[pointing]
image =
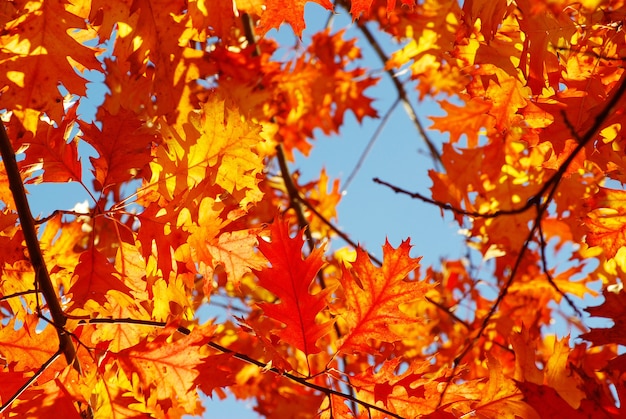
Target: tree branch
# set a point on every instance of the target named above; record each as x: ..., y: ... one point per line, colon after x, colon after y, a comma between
x: 245, y: 358
x: 402, y: 95
x: 549, y: 189
x: 27, y: 223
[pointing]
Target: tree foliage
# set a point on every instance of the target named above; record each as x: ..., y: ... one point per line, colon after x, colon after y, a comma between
x: 192, y: 198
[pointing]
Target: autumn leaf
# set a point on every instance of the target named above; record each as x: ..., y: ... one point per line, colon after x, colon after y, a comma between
x: 409, y: 392
x: 363, y: 6
x: 216, y: 143
x: 289, y: 278
x: 290, y: 11
x: 606, y: 222
x: 123, y: 149
x: 53, y: 150
x: 500, y: 396
x: 374, y: 297
x: 467, y: 120
x: 613, y: 308
x: 166, y: 369
x: 95, y: 277
x: 546, y: 400
x: 24, y: 348
x: 42, y: 47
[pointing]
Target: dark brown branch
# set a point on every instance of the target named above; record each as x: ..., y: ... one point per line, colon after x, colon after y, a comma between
x: 32, y: 242
x: 17, y: 294
x: 402, y: 95
x: 445, y: 206
x: 294, y: 202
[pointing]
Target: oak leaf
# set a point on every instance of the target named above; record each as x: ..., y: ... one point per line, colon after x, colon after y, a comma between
x: 166, y: 369
x: 290, y: 278
x: 374, y: 297
x: 40, y: 49
x: 290, y: 11
x: 467, y: 120
x: 123, y: 146
x: 358, y: 7
x: 53, y: 149
x: 24, y: 348
x: 500, y: 396
x: 613, y: 308
x: 606, y: 220
x: 95, y: 277
x: 216, y: 143
x: 548, y: 402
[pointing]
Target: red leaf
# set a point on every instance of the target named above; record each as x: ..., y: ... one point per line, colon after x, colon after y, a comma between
x: 50, y: 151
x: 123, y: 147
x: 95, y: 277
x: 289, y: 278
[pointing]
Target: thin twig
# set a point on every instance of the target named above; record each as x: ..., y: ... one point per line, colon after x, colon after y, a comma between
x: 334, y: 228
x: 242, y: 357
x: 57, y: 212
x: 402, y: 95
x: 448, y: 312
x: 370, y: 144
x: 17, y: 294
x: 544, y: 265
x: 445, y: 206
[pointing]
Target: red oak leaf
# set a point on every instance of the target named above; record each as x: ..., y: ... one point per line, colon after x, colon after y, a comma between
x: 289, y: 278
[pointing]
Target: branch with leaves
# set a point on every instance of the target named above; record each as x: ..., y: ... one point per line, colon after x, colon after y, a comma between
x: 184, y: 214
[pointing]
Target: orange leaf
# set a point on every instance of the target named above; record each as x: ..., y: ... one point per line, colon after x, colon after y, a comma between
x: 464, y: 120
x: 40, y: 49
x: 167, y: 370
x: 606, y: 222
x: 95, y: 277
x: 289, y: 278
x: 614, y: 308
x: 50, y: 151
x: 217, y: 144
x: 374, y: 296
x: 546, y: 400
x: 500, y: 397
x: 363, y: 6
x: 290, y: 11
x: 26, y: 348
x: 559, y: 376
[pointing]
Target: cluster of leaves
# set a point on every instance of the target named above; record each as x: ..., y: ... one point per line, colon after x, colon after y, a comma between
x: 98, y: 309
